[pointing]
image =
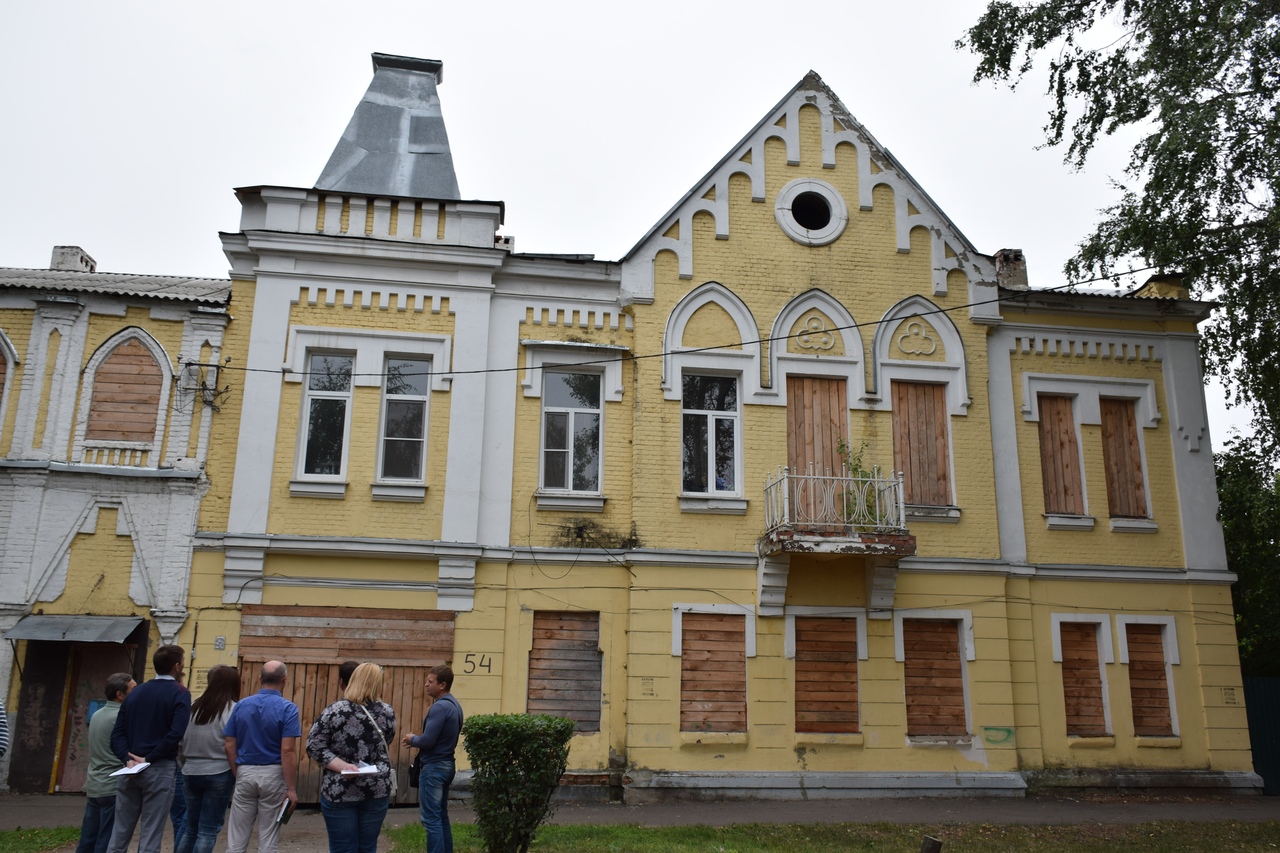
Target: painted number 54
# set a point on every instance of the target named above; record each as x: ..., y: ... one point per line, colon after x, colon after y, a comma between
x: 474, y: 662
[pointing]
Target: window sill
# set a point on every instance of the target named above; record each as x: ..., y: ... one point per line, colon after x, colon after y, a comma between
x: 939, y: 740
x: 407, y: 494
x: 1068, y: 522
x: 828, y: 739
x: 712, y: 738
x: 1133, y: 525
x: 1104, y: 742
x: 713, y: 504
x: 570, y: 502
x: 310, y: 489
x: 934, y: 514
x: 1152, y: 742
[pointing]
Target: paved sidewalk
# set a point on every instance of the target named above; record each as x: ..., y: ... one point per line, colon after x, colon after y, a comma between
x: 306, y: 831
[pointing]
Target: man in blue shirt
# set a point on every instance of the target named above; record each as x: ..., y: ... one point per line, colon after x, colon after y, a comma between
x: 152, y: 720
x: 437, y: 743
x: 262, y: 746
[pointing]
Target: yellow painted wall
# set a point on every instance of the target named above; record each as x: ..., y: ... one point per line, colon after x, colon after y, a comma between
x: 16, y: 325
x: 225, y: 427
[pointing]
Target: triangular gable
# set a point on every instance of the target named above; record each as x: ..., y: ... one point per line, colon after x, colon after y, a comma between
x: 876, y: 167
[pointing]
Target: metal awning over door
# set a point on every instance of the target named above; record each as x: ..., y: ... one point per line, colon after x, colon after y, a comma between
x: 74, y: 629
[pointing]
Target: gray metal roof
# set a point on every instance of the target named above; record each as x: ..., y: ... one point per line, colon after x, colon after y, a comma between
x: 74, y: 629
x: 208, y: 291
x: 395, y: 143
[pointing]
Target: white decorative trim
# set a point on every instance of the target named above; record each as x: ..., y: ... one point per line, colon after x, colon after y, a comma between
x: 786, y: 219
x: 370, y: 347
x: 540, y: 355
x: 1133, y: 525
x: 724, y: 609
x: 713, y: 504
x: 885, y: 369
x: 677, y: 358
x: 1107, y: 653
x: 9, y: 356
x: 792, y: 611
x: 1088, y: 390
x: 1061, y: 521
x: 391, y: 492
x: 567, y: 501
x: 965, y: 617
x: 933, y: 514
x: 848, y: 366
x: 157, y: 351
x: 1168, y: 635
x: 336, y: 489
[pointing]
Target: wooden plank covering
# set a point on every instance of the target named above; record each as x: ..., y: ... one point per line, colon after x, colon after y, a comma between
x: 934, y: 678
x: 1060, y: 456
x: 1122, y: 458
x: 565, y: 666
x: 817, y: 421
x: 315, y: 641
x: 921, y: 442
x: 713, y: 672
x: 826, y: 674
x: 1148, y: 681
x: 126, y: 396
x: 1082, y: 680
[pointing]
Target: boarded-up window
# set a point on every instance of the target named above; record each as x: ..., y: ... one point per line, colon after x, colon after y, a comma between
x: 1148, y: 681
x: 314, y: 641
x: 1082, y: 679
x: 826, y: 674
x: 713, y: 672
x: 1060, y: 457
x: 817, y: 422
x: 565, y: 666
x: 1126, y: 493
x: 920, y: 442
x: 934, y: 677
x: 126, y: 396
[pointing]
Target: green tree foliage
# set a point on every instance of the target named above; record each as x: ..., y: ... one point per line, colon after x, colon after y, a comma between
x: 517, y: 761
x: 1249, y: 491
x: 1201, y: 80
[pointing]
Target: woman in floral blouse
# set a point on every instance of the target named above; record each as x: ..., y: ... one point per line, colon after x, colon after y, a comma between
x: 355, y: 730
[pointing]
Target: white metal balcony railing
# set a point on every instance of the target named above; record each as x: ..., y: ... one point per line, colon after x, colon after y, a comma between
x: 832, y: 503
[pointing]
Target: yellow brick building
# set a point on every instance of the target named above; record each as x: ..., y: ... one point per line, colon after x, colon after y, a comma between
x: 805, y: 496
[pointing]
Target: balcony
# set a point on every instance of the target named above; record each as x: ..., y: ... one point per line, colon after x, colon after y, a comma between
x: 857, y: 513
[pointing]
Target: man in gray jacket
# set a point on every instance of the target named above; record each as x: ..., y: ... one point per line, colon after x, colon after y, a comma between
x: 99, y: 787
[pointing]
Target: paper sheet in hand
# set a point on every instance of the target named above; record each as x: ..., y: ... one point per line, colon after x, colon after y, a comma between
x: 362, y: 770
x: 129, y: 771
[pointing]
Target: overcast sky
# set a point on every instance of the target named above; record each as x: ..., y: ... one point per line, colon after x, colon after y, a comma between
x: 128, y: 124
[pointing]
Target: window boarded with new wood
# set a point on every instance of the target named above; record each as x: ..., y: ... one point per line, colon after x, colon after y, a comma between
x: 1148, y: 681
x: 713, y: 672
x: 817, y: 422
x: 1060, y: 457
x: 315, y: 641
x: 920, y: 442
x: 1082, y: 679
x: 934, y: 677
x: 1122, y: 457
x: 126, y: 396
x: 565, y: 667
x: 826, y: 674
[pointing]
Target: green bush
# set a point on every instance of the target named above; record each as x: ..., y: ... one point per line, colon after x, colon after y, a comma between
x: 516, y: 762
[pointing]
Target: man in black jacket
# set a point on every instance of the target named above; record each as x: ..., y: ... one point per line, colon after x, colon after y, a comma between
x: 150, y: 726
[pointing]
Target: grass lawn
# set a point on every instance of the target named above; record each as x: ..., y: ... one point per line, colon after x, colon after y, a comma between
x: 880, y: 837
x: 35, y: 840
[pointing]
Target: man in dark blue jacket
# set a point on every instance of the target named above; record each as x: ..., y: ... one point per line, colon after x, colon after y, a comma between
x: 438, y: 742
x: 151, y: 723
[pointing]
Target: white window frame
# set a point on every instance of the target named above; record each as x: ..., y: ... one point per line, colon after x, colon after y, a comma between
x: 1169, y: 643
x: 402, y: 488
x: 859, y: 614
x: 323, y: 485
x: 1106, y: 653
x: 677, y: 632
x: 571, y: 411
x: 714, y: 500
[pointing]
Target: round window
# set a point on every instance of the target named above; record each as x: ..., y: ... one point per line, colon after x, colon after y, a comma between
x: 811, y: 212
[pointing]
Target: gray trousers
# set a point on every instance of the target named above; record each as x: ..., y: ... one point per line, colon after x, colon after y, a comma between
x: 259, y: 794
x: 146, y: 795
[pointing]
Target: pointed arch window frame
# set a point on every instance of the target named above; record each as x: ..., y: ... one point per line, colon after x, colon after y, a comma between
x: 153, y: 448
x: 9, y: 355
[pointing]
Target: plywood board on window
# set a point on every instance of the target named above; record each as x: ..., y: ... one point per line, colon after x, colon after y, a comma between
x: 921, y: 442
x: 565, y: 666
x: 1122, y: 458
x: 826, y: 667
x: 1148, y: 681
x: 1082, y: 680
x: 126, y: 396
x: 934, y: 678
x: 713, y: 673
x: 1060, y: 456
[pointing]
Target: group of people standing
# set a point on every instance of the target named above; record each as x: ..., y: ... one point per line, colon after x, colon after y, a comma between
x: 236, y: 760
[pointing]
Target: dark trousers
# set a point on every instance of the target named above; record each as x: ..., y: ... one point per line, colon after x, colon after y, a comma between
x: 95, y: 828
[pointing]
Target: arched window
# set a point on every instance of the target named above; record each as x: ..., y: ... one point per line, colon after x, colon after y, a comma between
x: 127, y: 383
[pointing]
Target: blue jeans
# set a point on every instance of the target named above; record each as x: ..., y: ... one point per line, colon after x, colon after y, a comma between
x: 433, y: 805
x: 207, y: 801
x: 95, y: 829
x: 353, y: 827
x: 178, y: 808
